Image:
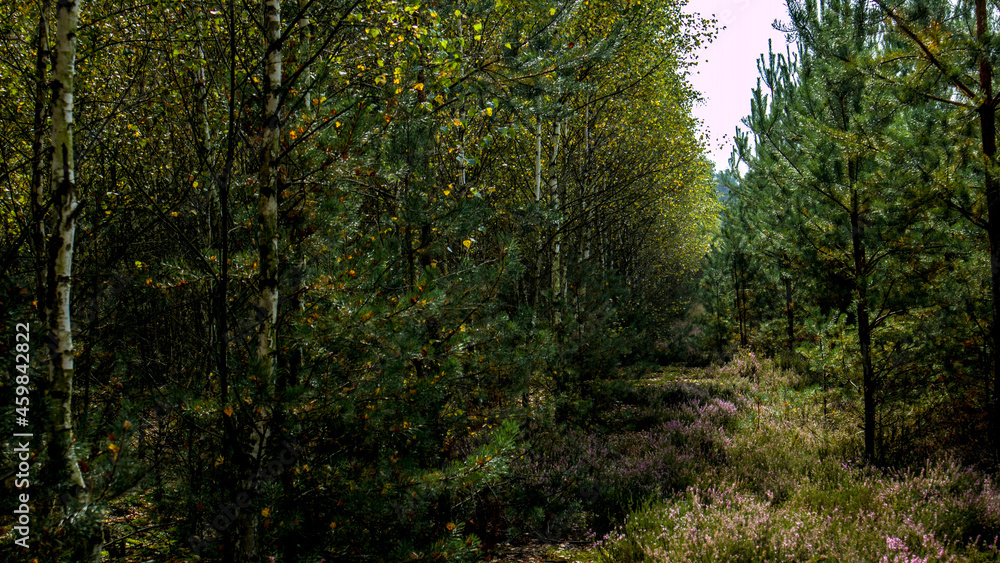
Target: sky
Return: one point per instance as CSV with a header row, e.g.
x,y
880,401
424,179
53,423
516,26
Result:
x,y
727,68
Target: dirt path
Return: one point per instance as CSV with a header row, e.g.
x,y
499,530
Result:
x,y
536,551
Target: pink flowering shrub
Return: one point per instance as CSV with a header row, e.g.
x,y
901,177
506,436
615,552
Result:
x,y
783,491
575,477
745,363
844,514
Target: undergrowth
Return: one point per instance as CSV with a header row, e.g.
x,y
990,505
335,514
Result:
x,y
783,485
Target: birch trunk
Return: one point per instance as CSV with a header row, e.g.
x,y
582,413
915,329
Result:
x,y
267,305
268,198
584,255
538,160
65,471
556,251
567,257
538,201
204,139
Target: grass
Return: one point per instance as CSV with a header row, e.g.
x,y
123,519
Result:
x,y
788,490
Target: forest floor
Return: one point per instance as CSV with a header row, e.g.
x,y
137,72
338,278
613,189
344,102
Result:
x,y
538,551
781,483
531,550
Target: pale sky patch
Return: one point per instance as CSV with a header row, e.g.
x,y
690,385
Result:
x,y
727,68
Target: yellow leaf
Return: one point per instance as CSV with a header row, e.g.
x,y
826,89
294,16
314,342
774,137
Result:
x,y
228,411
419,86
450,526
266,512
466,243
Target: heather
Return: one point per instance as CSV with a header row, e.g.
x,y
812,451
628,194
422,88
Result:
x,y
786,485
649,440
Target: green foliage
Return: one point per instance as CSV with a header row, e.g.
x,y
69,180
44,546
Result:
x,y
841,246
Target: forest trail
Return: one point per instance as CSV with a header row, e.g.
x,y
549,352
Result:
x,y
668,387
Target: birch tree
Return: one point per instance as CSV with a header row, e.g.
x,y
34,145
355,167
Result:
x,y
77,512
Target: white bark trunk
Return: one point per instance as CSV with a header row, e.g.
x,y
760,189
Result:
x,y
268,198
538,160
65,468
267,307
557,250
538,200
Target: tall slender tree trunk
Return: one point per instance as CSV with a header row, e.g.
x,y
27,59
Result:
x,y
740,300
84,522
538,201
287,379
38,153
230,435
305,50
864,325
583,257
789,311
557,246
203,138
267,205
567,252
247,547
987,124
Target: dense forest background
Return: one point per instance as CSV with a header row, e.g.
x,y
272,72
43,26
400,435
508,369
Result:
x,y
345,280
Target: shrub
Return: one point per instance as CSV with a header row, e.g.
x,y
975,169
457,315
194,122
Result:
x,y
586,477
837,513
